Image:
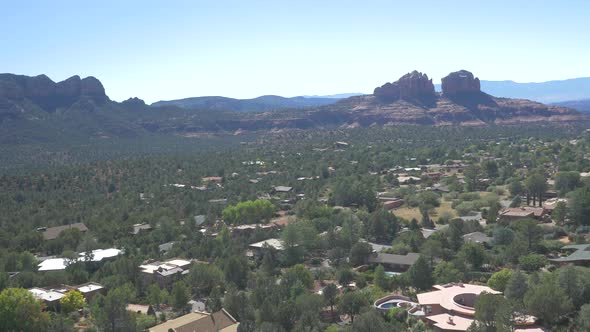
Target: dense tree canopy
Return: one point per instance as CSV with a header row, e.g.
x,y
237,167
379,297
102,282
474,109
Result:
x,y
19,311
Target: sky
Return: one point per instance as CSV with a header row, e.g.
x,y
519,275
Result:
x,y
162,50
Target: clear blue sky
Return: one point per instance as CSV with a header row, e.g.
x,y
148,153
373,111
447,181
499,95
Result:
x,y
173,49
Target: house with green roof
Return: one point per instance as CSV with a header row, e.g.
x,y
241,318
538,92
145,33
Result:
x,y
579,255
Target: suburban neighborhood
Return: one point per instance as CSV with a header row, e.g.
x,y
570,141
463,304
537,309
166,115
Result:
x,y
416,246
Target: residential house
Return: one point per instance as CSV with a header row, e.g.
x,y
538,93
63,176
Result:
x,y
550,204
519,213
165,273
391,202
215,179
48,296
435,176
220,321
477,237
164,248
258,249
579,254
550,194
406,179
248,229
426,232
52,295
451,308
90,289
200,220
282,189
437,187
52,233
282,220
392,262
137,228
97,256
142,309
455,167
218,200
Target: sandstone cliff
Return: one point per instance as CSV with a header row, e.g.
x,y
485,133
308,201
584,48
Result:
x,y
410,86
49,95
460,82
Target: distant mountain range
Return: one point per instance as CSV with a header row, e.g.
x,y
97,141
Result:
x,y
337,96
554,92
579,105
259,104
37,109
545,92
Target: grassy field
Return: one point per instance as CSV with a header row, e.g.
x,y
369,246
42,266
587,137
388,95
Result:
x,y
445,207
409,213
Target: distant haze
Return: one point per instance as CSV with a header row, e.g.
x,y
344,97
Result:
x,y
545,92
337,96
165,50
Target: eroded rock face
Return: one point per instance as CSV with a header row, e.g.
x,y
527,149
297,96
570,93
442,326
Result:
x,y
69,87
410,86
460,82
48,94
90,86
39,87
388,91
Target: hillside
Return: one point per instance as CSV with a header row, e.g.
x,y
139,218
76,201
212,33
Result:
x,y
259,104
36,109
412,100
579,105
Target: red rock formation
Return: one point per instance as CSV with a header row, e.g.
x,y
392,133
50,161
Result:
x,y
39,87
90,86
388,91
410,86
460,82
69,87
48,94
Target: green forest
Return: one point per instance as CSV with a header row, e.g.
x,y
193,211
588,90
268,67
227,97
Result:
x,y
507,208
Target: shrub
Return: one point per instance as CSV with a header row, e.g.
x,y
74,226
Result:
x,y
532,262
499,279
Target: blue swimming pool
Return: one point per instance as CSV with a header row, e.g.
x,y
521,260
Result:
x,y
391,274
388,305
395,303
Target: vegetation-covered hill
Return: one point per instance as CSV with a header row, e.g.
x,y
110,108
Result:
x,y
36,109
258,104
329,220
582,105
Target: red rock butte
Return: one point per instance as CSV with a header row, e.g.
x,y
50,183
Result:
x,y
458,82
409,86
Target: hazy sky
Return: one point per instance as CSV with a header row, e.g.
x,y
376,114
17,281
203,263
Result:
x,y
173,49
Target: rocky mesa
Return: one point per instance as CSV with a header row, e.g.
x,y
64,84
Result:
x,y
47,94
460,82
410,86
39,105
412,100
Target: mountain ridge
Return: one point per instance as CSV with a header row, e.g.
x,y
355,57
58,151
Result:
x,y
32,109
580,105
553,91
261,103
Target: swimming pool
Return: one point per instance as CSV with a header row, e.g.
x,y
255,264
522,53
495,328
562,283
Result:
x,y
388,305
395,303
392,274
